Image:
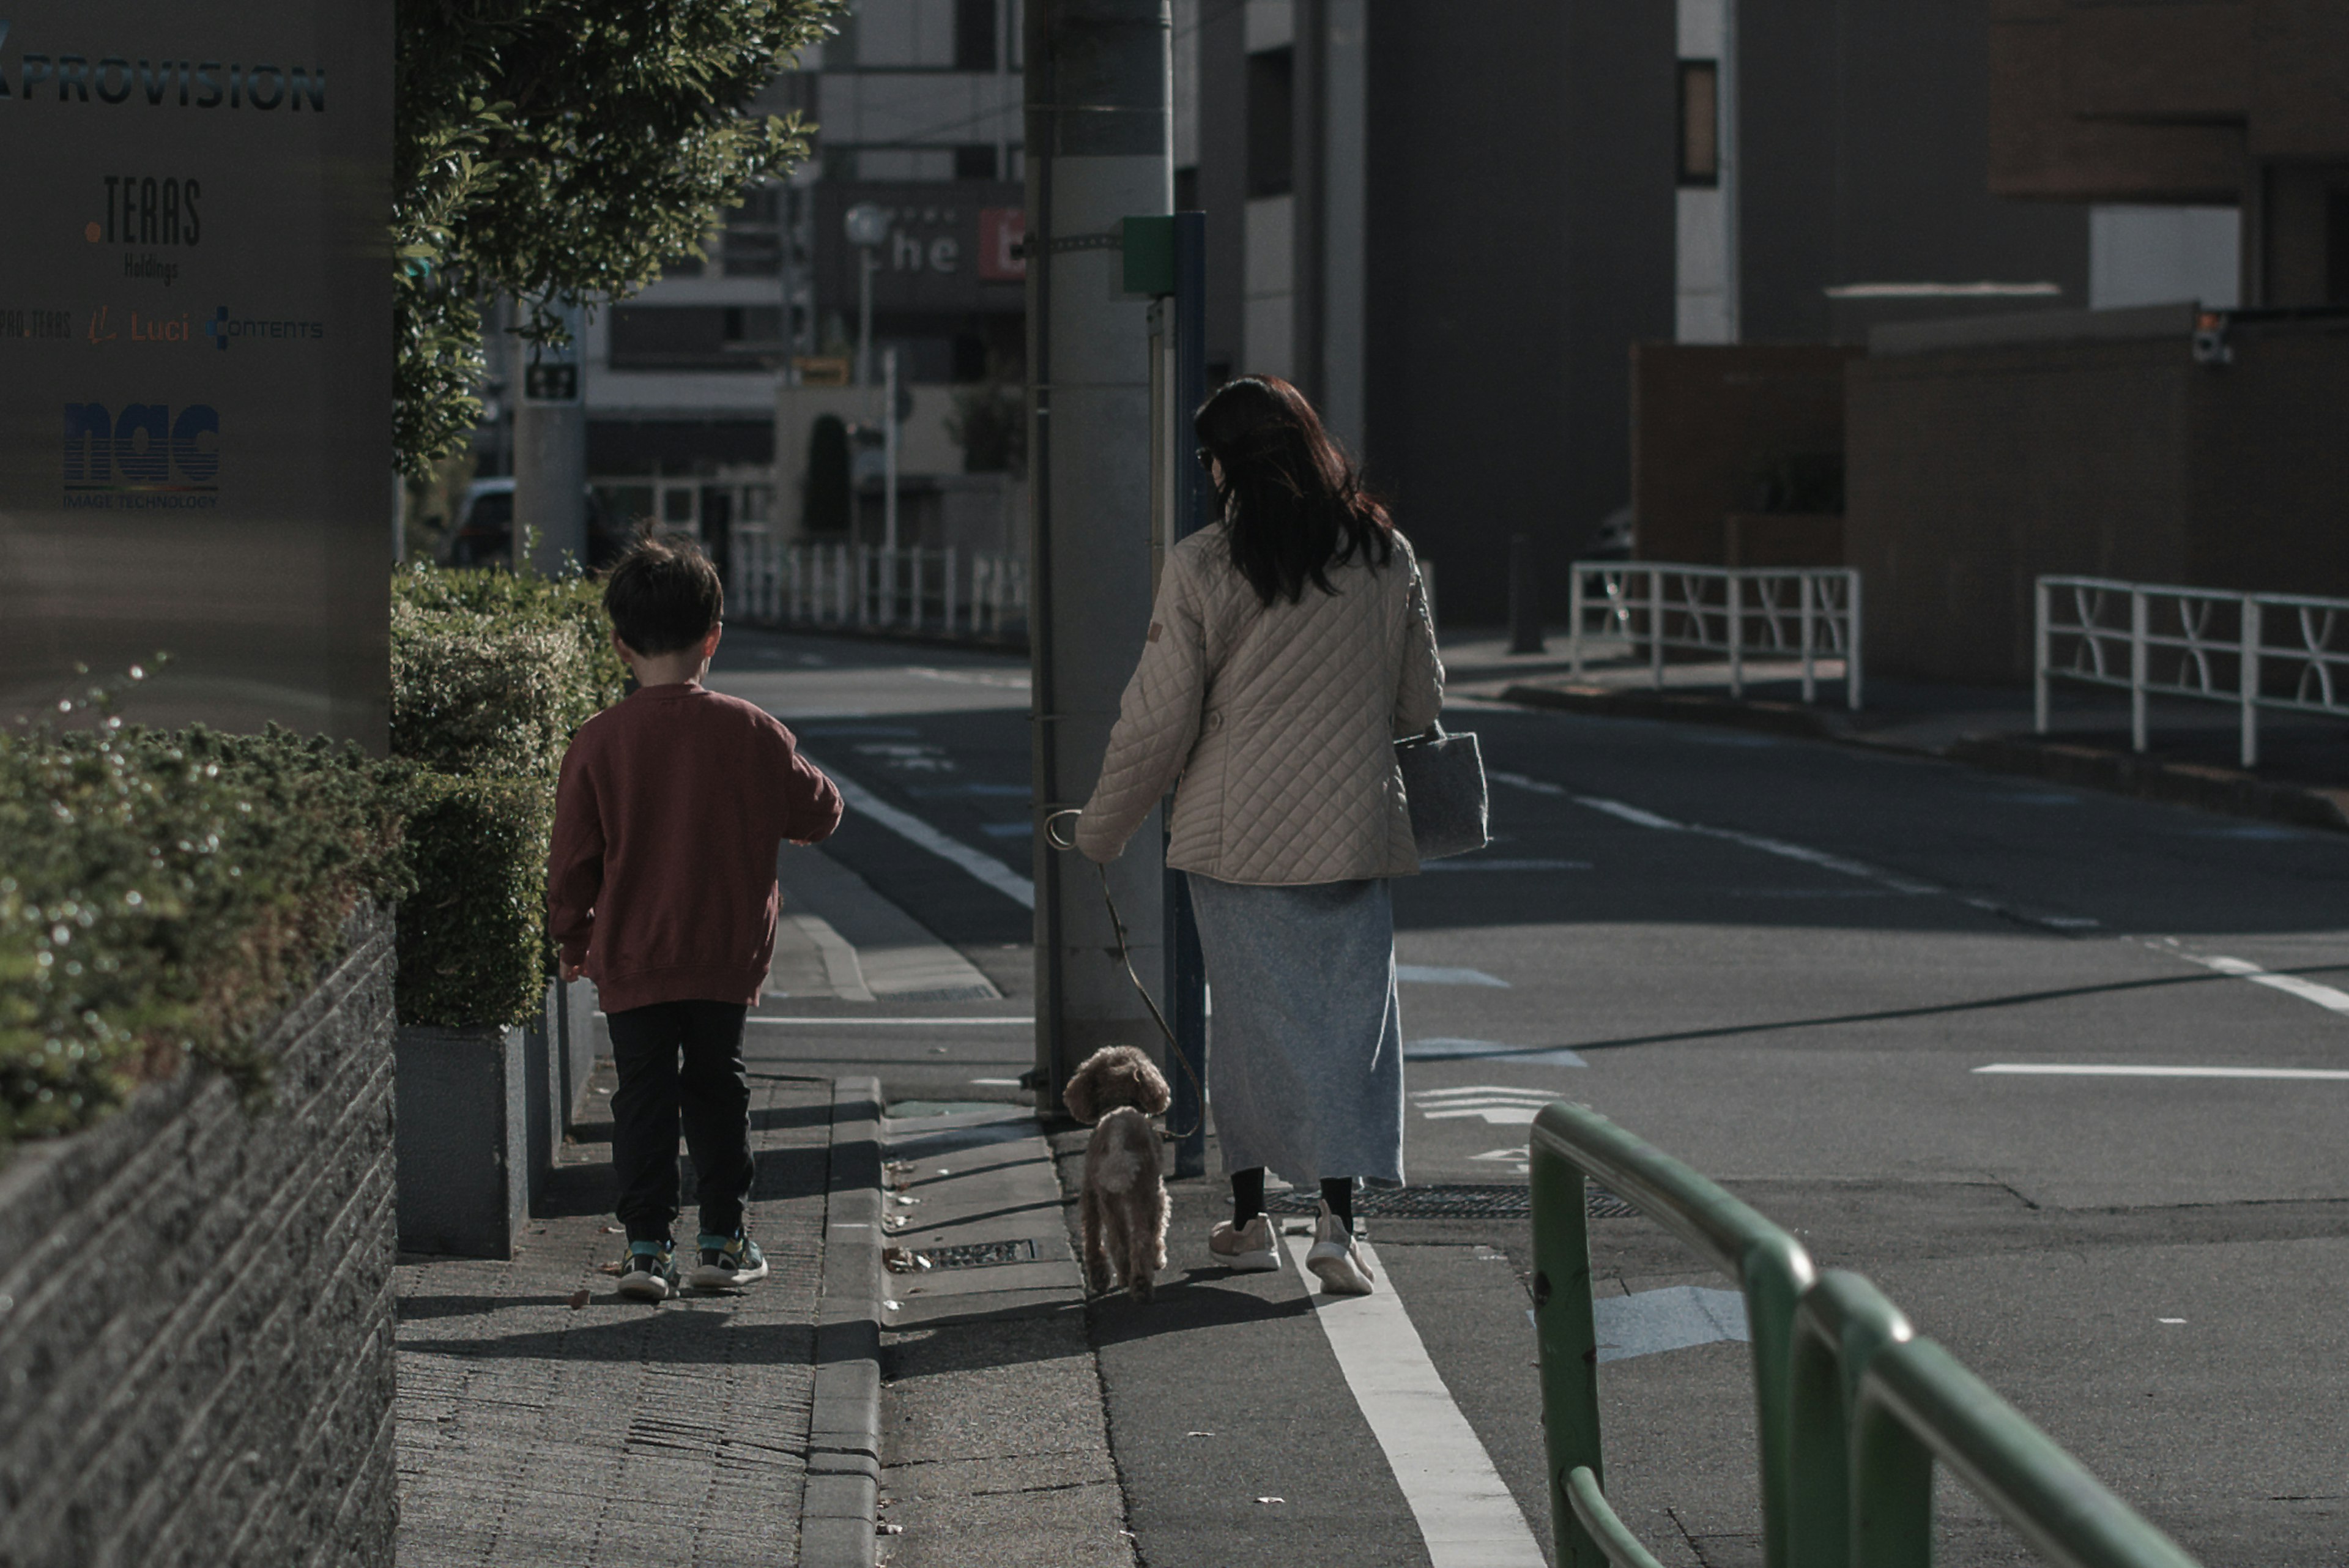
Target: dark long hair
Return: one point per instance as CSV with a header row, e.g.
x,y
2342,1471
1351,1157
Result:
x,y
1291,501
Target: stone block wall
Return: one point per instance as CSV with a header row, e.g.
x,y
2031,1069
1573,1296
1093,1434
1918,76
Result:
x,y
196,1314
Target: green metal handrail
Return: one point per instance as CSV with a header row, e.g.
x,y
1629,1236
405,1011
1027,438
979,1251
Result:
x,y
1853,1407
1767,1265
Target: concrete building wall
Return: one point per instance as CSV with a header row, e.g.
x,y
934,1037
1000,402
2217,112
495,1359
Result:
x,y
1518,237
1710,424
1973,468
1863,142
1465,397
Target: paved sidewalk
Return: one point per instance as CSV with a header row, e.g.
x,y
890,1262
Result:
x,y
545,1420
996,1447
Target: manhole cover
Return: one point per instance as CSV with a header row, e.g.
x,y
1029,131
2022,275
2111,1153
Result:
x,y
1455,1202
982,1254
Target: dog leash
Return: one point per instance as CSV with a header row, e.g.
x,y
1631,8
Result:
x,y
1125,956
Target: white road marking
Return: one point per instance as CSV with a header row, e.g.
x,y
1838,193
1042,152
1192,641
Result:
x,y
1447,1050
1624,812
1841,865
995,1083
1436,974
2324,996
1463,1509
1515,1157
2107,1070
890,1022
1673,1318
1500,1105
1007,679
908,826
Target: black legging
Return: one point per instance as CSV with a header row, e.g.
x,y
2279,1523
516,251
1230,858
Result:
x,y
1248,1196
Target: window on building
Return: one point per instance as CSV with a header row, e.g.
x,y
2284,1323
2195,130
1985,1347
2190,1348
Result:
x,y
1271,123
975,35
976,161
692,336
1699,122
751,245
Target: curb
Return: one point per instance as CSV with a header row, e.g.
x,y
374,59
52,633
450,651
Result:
x,y
2181,784
839,1512
2222,790
1779,718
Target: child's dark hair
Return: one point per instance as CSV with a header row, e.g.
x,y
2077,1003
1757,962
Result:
x,y
664,596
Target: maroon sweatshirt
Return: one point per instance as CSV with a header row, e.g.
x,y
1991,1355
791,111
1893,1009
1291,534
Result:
x,y
672,806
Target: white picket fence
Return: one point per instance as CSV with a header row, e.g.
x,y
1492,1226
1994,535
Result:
x,y
2280,652
1740,614
949,592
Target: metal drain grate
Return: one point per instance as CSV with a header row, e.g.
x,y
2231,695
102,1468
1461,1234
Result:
x,y
982,1254
1453,1203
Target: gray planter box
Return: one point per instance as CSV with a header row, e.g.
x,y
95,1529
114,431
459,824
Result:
x,y
225,1391
482,1116
465,1140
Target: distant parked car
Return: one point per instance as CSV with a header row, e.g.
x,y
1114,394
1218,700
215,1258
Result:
x,y
483,535
1614,538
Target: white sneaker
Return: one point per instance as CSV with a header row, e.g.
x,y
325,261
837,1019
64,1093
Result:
x,y
1336,1258
1248,1249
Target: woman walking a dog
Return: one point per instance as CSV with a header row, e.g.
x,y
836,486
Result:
x,y
1289,647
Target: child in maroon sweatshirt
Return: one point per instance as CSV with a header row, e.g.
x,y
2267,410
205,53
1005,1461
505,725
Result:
x,y
661,887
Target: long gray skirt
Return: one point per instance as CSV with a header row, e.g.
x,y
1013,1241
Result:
x,y
1305,1044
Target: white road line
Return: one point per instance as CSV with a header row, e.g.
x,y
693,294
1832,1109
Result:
x,y
2324,996
1438,974
2101,1070
912,828
1624,812
891,1023
1462,1508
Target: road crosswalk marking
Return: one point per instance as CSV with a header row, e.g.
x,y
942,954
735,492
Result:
x,y
1501,1106
1463,1509
2110,1070
2323,996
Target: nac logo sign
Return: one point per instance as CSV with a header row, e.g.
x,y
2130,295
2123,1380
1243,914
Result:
x,y
145,455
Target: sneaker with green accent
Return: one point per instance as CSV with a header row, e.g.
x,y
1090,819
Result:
x,y
727,1262
650,1274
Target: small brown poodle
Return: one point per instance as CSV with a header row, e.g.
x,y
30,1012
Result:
x,y
1123,1205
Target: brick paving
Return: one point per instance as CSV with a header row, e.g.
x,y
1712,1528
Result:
x,y
533,1431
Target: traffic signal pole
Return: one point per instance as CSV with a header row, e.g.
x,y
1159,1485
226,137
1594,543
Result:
x,y
1099,147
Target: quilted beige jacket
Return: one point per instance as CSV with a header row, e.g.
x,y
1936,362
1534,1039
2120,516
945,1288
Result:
x,y
1279,721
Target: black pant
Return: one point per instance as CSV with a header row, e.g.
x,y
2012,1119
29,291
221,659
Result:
x,y
712,1094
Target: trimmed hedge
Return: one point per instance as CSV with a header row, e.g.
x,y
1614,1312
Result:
x,y
162,896
492,674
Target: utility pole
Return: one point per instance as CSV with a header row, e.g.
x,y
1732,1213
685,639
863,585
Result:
x,y
550,454
1100,148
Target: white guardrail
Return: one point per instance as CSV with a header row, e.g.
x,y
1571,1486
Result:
x,y
974,593
2284,653
1810,613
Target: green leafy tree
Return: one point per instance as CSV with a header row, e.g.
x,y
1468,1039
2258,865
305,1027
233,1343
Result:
x,y
561,150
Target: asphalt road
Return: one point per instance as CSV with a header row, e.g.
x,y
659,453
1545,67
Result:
x,y
1787,963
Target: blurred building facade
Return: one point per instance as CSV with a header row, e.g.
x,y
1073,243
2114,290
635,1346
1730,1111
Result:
x,y
1450,225
702,390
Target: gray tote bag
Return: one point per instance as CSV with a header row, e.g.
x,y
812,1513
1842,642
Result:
x,y
1443,781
